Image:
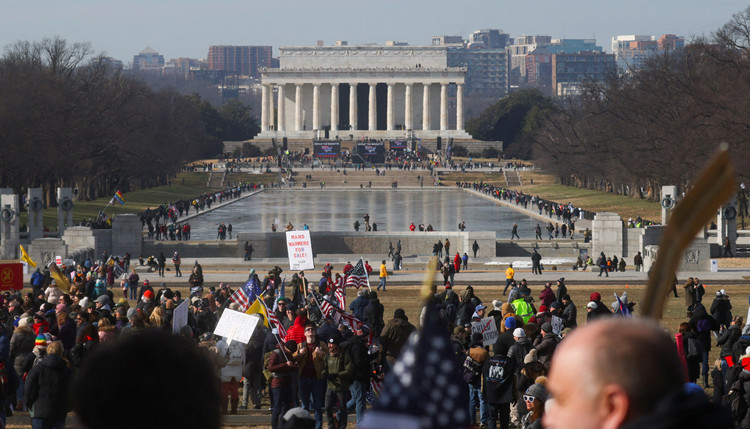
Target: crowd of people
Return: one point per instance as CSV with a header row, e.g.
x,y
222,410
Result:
x,y
162,223
313,351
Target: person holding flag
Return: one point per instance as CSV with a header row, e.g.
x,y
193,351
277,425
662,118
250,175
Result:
x,y
118,198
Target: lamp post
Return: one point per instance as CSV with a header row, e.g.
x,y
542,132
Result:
x,y
743,204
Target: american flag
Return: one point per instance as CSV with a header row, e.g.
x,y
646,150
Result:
x,y
274,320
326,308
372,395
357,276
340,295
246,294
420,381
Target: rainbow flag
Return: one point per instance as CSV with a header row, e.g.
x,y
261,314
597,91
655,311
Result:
x,y
118,197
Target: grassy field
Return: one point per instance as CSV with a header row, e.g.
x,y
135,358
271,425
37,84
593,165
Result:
x,y
184,186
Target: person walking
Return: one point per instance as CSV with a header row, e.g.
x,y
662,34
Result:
x,y
47,389
514,232
475,248
383,275
338,373
509,274
177,261
536,262
161,260
602,263
638,262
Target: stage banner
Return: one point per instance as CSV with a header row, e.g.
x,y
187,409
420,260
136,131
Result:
x,y
373,152
326,149
398,145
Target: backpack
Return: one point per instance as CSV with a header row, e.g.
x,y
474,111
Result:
x,y
734,400
472,370
703,325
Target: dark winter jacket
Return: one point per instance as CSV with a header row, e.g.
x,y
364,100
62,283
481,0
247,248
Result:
x,y
46,389
373,316
721,310
683,411
727,339
498,375
356,349
358,306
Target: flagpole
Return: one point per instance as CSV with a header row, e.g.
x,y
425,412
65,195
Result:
x,y
281,346
367,275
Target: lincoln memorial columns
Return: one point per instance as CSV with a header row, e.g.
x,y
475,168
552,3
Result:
x,y
389,108
426,106
316,106
372,123
443,107
264,108
298,108
408,114
334,106
353,105
281,104
459,107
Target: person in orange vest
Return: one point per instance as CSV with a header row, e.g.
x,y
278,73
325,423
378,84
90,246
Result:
x,y
509,273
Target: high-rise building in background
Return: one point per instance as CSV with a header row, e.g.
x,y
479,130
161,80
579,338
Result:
x,y
148,60
490,38
239,60
486,70
632,50
670,41
447,41
570,71
517,52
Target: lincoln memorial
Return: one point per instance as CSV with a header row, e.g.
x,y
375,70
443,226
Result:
x,y
351,92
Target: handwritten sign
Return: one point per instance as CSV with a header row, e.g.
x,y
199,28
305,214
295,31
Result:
x,y
180,317
299,247
487,328
236,326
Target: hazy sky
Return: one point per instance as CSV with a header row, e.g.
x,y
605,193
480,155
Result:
x,y
186,28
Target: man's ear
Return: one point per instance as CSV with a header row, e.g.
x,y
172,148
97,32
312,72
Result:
x,y
614,406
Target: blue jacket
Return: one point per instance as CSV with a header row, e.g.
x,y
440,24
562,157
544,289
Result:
x,y
358,306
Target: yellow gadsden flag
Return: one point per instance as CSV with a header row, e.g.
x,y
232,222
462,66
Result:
x,y
258,308
62,283
25,257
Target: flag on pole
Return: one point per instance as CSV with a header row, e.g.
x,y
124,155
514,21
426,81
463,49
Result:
x,y
25,257
119,198
274,320
257,308
358,276
62,283
624,310
340,297
420,380
246,294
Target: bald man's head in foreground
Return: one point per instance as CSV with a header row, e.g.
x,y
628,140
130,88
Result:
x,y
610,372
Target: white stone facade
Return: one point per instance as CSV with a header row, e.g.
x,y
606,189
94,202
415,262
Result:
x,y
362,91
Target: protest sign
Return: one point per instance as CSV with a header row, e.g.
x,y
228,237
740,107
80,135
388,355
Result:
x,y
180,317
299,247
487,328
236,326
557,324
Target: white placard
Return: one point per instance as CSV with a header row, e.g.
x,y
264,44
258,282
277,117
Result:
x,y
299,246
236,326
487,328
557,323
58,260
180,317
